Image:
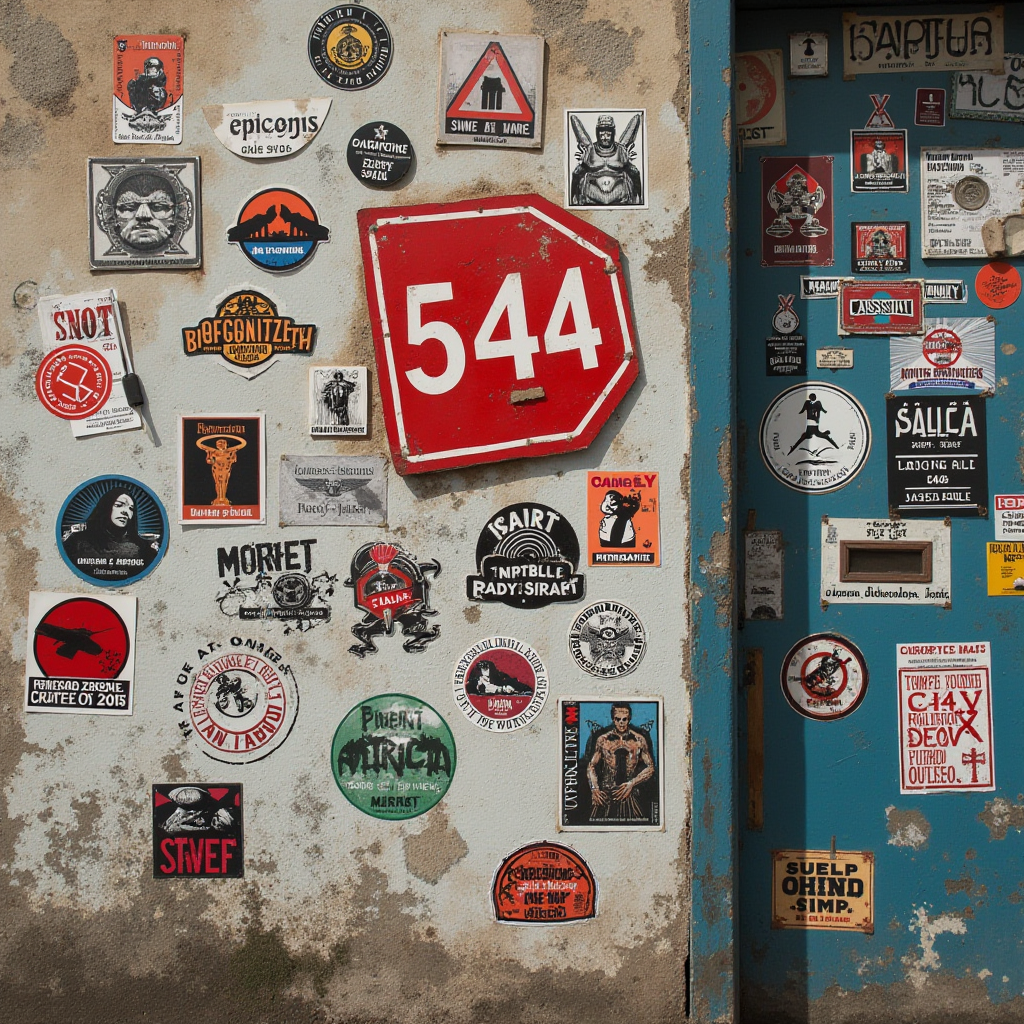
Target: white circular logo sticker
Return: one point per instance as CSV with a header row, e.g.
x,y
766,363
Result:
x,y
815,437
824,677
241,707
607,640
500,684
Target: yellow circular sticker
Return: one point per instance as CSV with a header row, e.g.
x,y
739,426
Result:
x,y
349,46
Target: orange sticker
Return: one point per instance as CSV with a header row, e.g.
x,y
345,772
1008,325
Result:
x,y
998,285
623,519
544,883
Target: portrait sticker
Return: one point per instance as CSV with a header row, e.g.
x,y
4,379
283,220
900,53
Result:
x,y
938,456
763,552
945,695
527,556
878,160
393,757
389,586
606,159
961,189
491,90
808,54
278,230
379,154
815,437
826,890
880,307
611,778
607,640
796,212
350,47
500,684
824,677
80,656
785,355
1005,568
623,519
112,531
880,247
69,383
238,703
953,352
930,108
333,490
819,287
998,284
1009,516
885,561
987,95
897,43
266,129
149,81
833,357
544,883
338,401
945,291
197,830
222,468
144,214
276,581
761,98
248,333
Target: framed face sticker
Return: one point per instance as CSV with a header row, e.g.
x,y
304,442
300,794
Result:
x,y
222,464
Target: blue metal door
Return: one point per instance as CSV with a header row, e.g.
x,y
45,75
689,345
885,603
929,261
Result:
x,y
948,885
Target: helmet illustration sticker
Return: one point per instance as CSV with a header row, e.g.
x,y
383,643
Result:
x,y
824,677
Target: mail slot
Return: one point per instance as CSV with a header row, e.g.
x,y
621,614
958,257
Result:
x,y
883,561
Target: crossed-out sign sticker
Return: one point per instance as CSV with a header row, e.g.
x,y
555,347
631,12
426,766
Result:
x,y
879,117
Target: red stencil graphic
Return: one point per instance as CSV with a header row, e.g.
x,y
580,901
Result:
x,y
73,382
84,638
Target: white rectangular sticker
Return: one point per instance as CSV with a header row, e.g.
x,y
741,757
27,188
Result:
x,y
945,291
1009,516
990,97
945,699
842,578
954,352
333,490
833,358
760,98
762,577
812,287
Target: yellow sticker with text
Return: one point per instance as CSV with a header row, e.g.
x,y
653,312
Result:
x,y
1005,569
822,889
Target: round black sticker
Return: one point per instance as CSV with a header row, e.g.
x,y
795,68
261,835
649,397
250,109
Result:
x,y
111,531
350,47
379,154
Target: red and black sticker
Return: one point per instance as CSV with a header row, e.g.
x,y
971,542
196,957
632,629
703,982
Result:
x,y
197,830
544,883
73,382
796,211
880,247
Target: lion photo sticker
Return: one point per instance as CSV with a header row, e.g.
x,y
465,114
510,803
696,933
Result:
x,y
149,74
623,519
222,469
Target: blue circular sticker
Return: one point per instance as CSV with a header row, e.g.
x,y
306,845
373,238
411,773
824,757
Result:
x,y
111,531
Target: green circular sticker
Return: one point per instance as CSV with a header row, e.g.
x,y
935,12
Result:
x,y
393,756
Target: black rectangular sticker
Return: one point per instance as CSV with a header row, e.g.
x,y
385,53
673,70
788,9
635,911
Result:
x,y
785,355
197,830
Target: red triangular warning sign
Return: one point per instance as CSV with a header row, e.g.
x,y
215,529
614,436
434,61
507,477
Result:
x,y
491,89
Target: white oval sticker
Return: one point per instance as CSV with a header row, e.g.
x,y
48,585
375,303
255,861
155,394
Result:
x,y
265,129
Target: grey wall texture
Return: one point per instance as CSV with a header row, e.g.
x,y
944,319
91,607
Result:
x,y
340,917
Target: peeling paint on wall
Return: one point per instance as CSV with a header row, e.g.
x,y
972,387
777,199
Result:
x,y
929,928
1000,816
907,828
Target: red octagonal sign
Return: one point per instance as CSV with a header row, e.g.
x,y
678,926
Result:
x,y
501,326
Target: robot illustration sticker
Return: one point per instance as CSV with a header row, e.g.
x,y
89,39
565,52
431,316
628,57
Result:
x,y
612,777
544,883
796,212
815,437
606,159
222,466
338,401
607,640
500,684
623,519
197,830
148,89
824,677
278,230
350,47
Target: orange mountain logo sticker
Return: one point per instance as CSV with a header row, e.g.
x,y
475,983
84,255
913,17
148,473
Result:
x,y
278,230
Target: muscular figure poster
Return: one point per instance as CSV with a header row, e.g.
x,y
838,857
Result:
x,y
606,159
611,772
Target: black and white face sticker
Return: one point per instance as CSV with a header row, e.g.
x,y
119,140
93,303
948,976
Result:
x,y
815,437
607,640
824,677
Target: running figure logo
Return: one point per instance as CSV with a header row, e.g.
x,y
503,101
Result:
x,y
813,410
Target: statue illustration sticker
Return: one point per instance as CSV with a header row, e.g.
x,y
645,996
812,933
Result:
x,y
379,154
824,677
248,333
278,230
239,703
500,684
393,757
149,74
606,159
815,437
112,531
338,401
265,129
527,557
544,883
350,47
607,640
222,468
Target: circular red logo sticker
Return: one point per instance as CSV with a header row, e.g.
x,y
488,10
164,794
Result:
x,y
998,285
500,684
942,346
73,382
83,637
824,677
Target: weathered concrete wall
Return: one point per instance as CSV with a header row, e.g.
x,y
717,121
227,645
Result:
x,y
340,917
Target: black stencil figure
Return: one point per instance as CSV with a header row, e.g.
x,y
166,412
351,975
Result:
x,y
814,409
616,530
822,680
491,91
148,89
808,47
255,227
335,395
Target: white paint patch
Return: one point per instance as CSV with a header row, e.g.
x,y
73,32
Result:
x,y
984,973
908,833
930,928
